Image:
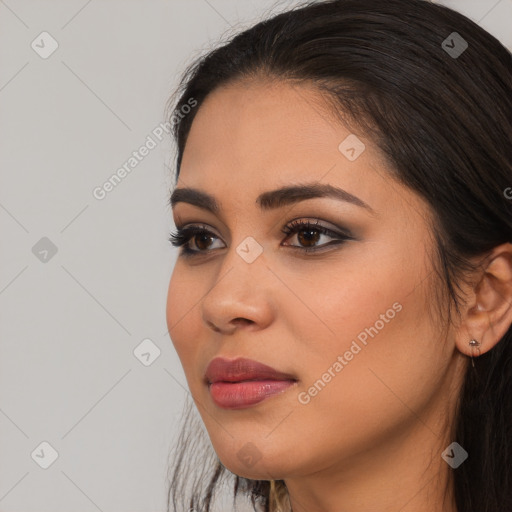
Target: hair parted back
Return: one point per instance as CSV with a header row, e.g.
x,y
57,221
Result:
x,y
445,125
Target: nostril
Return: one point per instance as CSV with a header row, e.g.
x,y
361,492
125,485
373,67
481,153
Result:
x,y
241,321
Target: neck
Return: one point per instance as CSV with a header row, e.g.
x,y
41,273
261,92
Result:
x,y
389,481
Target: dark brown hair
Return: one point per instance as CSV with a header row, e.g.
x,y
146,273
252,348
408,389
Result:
x,y
444,122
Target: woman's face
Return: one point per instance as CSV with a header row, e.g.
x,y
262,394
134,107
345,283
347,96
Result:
x,y
368,368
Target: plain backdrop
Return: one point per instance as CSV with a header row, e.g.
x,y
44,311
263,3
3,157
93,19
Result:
x,y
90,385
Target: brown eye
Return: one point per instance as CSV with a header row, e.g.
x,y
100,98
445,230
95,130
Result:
x,y
309,234
201,240
308,237
183,237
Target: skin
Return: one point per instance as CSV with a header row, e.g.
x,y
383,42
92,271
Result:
x,y
372,438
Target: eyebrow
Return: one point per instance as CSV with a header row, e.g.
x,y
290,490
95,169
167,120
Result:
x,y
272,199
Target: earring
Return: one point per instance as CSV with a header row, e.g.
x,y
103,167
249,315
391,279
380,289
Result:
x,y
473,343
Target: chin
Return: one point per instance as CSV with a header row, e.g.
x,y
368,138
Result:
x,y
248,461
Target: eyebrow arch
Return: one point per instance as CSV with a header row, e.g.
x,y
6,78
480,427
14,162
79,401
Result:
x,y
272,199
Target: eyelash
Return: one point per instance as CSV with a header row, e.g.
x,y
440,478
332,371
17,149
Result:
x,y
182,236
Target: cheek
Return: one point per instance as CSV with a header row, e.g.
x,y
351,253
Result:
x,y
351,299
374,318
397,371
390,352
181,310
375,290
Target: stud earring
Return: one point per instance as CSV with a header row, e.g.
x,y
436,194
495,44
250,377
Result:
x,y
472,344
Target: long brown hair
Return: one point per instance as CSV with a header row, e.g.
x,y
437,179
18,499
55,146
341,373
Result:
x,y
445,123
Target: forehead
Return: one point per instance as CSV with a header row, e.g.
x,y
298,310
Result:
x,y
251,137
260,124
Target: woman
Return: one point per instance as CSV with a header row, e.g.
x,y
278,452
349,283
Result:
x,y
342,299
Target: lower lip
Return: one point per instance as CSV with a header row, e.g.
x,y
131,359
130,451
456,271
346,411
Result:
x,y
238,395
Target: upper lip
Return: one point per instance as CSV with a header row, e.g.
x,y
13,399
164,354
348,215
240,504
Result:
x,y
241,369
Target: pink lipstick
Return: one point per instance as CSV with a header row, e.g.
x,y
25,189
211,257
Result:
x,y
241,383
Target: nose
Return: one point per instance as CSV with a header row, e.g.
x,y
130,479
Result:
x,y
240,296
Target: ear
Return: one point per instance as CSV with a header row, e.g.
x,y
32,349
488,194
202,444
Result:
x,y
488,313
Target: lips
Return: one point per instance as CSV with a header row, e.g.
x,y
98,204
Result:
x,y
241,369
242,383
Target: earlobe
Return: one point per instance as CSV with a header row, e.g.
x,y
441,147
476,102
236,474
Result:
x,y
490,316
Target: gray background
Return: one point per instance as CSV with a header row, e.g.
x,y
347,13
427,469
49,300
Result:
x,y
70,321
